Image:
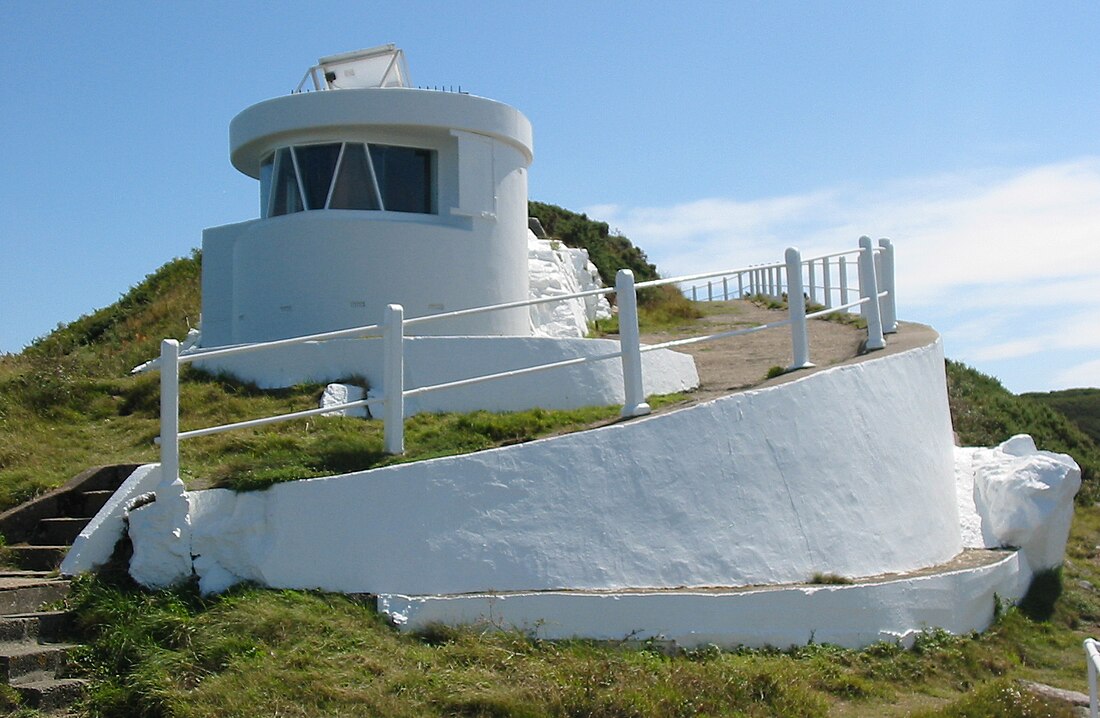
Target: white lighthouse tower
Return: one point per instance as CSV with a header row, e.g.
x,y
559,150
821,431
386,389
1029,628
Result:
x,y
372,192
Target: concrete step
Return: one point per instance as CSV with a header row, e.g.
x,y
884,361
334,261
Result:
x,y
26,595
32,661
88,503
39,626
43,558
50,694
61,531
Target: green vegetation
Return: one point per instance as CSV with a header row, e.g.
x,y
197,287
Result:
x,y
658,307
609,252
984,413
68,402
256,652
1082,406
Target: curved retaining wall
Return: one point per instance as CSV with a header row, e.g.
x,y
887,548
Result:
x,y
846,471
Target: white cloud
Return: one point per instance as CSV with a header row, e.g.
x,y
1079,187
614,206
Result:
x,y
952,231
1084,374
1008,260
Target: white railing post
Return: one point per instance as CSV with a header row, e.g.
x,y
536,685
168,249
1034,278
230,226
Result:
x,y
694,295
886,283
169,412
630,345
710,291
868,289
811,278
827,280
725,289
393,379
740,285
1092,656
843,280
796,309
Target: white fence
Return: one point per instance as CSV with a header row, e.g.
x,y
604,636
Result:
x,y
874,288
1092,658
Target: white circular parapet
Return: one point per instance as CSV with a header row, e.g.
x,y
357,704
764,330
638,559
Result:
x,y
331,116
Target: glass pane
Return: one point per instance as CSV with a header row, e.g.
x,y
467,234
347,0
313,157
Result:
x,y
404,176
316,164
287,197
354,188
267,166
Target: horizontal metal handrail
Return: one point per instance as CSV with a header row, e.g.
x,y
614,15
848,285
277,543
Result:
x,y
711,337
275,419
773,278
510,373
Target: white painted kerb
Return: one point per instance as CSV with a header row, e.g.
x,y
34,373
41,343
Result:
x,y
853,616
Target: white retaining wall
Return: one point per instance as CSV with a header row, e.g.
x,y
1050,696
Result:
x,y
853,616
847,471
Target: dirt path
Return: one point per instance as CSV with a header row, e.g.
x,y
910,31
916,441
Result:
x,y
733,363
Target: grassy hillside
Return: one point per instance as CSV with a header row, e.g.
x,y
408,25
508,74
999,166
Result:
x,y
1082,406
68,401
984,413
257,652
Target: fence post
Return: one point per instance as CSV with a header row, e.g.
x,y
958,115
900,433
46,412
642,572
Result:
x,y
630,345
796,309
725,289
694,295
1091,656
811,277
843,280
710,291
393,379
886,283
740,285
827,281
868,289
169,412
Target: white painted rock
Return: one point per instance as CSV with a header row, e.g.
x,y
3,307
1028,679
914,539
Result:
x,y
161,535
1023,497
557,270
336,394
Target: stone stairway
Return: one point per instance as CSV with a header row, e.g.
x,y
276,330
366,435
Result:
x,y
33,656
40,532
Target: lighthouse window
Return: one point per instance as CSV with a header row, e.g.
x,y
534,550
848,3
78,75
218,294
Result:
x,y
355,187
404,176
286,197
316,164
349,175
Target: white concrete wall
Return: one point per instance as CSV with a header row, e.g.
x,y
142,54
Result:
x,y
847,471
853,616
591,384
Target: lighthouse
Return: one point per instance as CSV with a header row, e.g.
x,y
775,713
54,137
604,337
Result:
x,y
372,192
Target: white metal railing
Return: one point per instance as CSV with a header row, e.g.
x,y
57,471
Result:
x,y
874,264
1092,658
825,281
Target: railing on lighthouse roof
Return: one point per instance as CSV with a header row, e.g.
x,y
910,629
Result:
x,y
381,66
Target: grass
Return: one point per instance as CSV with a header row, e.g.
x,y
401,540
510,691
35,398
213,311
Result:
x,y
255,652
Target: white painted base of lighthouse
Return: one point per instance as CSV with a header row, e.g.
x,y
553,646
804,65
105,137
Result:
x,y
699,525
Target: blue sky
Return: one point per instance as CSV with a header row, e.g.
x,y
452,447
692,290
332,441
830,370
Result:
x,y
712,134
